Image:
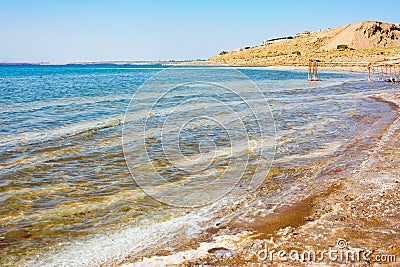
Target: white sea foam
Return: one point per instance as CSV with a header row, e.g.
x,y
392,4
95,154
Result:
x,y
20,107
62,132
131,241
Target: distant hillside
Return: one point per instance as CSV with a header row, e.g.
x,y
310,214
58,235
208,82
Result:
x,y
366,41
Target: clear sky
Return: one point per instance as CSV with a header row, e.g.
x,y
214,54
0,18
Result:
x,y
95,30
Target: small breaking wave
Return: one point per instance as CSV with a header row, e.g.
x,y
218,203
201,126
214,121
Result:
x,y
30,138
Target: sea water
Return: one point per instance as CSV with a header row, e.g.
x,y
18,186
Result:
x,y
79,176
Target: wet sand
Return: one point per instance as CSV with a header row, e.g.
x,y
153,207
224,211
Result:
x,y
362,211
356,217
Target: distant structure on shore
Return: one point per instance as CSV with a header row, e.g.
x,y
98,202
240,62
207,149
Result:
x,y
271,41
299,34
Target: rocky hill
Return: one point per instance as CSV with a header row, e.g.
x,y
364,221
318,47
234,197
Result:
x,y
366,41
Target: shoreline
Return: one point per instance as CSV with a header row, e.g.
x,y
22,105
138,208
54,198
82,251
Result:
x,y
347,210
333,210
222,235
278,67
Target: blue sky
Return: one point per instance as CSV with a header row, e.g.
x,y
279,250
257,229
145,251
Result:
x,y
161,30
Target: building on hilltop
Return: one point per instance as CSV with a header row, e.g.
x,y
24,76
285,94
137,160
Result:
x,y
302,33
271,41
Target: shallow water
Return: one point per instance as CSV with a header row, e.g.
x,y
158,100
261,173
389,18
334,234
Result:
x,y
64,178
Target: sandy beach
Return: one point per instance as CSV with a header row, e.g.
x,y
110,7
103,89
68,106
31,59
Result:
x,y
353,220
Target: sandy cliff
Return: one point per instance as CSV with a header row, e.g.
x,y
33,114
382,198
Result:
x,y
366,41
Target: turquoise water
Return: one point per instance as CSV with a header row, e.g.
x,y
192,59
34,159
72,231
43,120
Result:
x,y
64,177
